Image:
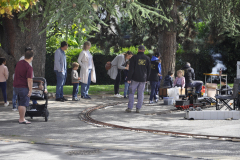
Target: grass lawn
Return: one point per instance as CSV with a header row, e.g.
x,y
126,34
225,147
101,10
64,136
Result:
x,y
94,89
230,84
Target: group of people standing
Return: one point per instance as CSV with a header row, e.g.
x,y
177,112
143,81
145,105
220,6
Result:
x,y
138,69
87,72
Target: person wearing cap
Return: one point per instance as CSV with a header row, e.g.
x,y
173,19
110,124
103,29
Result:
x,y
225,87
138,74
154,76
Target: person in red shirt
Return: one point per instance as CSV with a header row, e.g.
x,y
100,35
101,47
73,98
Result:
x,y
23,84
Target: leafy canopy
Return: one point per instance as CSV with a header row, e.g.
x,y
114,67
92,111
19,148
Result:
x,y
7,7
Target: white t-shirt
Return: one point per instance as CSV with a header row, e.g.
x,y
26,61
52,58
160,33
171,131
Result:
x,y
89,60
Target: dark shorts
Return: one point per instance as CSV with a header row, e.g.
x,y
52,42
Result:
x,y
23,99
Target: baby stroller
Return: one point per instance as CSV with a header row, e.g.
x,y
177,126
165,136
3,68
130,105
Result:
x,y
38,110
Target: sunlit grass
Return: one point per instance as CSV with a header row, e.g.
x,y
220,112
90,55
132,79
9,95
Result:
x,y
94,89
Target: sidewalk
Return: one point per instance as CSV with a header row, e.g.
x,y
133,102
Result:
x,y
66,129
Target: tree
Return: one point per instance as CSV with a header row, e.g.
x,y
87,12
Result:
x,y
24,23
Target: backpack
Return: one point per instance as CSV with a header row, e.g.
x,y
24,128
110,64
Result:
x,y
108,65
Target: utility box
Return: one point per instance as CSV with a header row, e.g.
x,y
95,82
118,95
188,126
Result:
x,y
238,69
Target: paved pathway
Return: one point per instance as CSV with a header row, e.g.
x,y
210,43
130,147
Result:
x,y
65,132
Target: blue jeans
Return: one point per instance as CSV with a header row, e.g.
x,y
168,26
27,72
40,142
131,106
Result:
x,y
126,90
61,79
3,86
158,86
75,90
154,85
197,84
14,100
85,87
140,86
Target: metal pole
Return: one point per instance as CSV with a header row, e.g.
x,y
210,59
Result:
x,y
220,85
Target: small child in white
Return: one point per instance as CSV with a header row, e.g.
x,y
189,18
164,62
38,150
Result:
x,y
75,81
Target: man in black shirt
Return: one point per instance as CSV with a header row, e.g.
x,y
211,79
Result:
x,y
190,78
138,74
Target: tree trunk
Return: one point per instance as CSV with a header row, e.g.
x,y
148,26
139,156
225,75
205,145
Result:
x,y
168,50
14,42
168,45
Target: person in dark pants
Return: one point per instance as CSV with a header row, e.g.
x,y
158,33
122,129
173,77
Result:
x,y
75,81
115,71
154,76
3,79
160,79
190,78
224,87
23,83
139,71
126,84
60,68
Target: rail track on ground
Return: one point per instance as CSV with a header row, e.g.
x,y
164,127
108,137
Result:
x,y
85,116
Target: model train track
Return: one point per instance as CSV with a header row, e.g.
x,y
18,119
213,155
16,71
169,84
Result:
x,y
85,116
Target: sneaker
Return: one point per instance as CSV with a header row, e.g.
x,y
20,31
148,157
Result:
x,y
88,97
157,96
75,99
6,104
65,99
137,110
156,100
59,99
117,95
125,97
150,102
120,95
128,110
14,109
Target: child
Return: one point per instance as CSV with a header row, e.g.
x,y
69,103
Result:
x,y
14,98
224,86
154,76
180,80
3,78
168,80
75,81
126,91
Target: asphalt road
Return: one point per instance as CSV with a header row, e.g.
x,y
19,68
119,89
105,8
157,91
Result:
x,y
66,132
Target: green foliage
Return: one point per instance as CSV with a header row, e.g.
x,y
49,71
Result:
x,y
203,30
85,13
